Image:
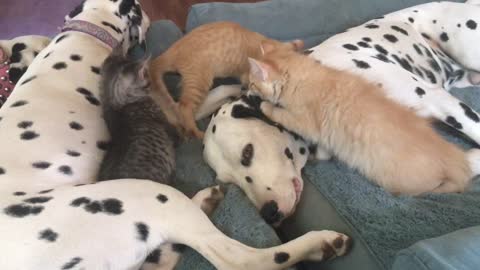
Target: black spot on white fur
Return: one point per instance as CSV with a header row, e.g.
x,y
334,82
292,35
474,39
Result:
x,y
62,37
2,171
48,235
469,112
247,155
19,103
372,26
73,153
45,191
59,65
65,169
453,122
248,179
88,96
75,57
380,49
95,70
154,257
302,150
444,37
41,165
103,145
471,24
420,92
400,30
38,200
288,153
25,124
350,47
281,257
72,263
162,198
361,64
391,38
19,193
29,135
75,125
107,206
22,210
18,47
142,230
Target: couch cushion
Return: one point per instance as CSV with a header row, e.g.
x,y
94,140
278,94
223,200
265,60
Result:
x,y
310,20
458,250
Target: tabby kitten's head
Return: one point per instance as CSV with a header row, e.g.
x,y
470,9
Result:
x,y
126,79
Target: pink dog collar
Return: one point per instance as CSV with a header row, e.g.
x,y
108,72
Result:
x,y
6,85
92,30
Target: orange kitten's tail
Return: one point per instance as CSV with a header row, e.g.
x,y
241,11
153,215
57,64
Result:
x,y
160,94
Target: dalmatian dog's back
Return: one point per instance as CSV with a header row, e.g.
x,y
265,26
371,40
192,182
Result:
x,y
67,71
415,55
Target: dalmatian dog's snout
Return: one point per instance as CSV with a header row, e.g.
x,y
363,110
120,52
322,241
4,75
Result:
x,y
267,168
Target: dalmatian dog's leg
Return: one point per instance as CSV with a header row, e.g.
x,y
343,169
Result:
x,y
166,256
144,216
442,105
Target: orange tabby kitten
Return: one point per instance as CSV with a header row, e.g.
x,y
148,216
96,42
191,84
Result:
x,y
352,119
212,50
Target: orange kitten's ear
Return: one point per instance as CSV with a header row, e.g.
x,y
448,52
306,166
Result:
x,y
266,47
258,70
298,44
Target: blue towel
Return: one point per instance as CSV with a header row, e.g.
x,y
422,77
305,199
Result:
x,y
389,224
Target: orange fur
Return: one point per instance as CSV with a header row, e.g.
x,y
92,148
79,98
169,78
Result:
x,y
218,49
354,120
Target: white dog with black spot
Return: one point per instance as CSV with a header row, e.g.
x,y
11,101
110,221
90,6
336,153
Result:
x,y
53,139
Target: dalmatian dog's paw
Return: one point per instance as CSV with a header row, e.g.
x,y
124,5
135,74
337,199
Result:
x,y
208,199
333,244
21,52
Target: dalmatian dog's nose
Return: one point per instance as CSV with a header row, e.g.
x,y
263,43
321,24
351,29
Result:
x,y
270,213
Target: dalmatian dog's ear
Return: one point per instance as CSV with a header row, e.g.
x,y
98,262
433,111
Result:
x,y
77,10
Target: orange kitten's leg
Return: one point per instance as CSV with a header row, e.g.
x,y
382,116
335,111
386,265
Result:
x,y
194,93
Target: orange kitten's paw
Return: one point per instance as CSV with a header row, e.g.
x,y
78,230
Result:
x,y
267,108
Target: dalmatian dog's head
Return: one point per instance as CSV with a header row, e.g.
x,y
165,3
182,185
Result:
x,y
261,157
125,17
20,52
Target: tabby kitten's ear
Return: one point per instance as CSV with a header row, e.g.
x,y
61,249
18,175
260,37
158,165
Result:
x,y
259,71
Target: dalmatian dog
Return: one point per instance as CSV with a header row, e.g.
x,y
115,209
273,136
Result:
x,y
53,139
15,57
416,55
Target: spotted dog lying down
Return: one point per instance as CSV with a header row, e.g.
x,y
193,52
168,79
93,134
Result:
x,y
54,120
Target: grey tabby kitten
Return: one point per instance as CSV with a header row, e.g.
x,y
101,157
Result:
x,y
143,142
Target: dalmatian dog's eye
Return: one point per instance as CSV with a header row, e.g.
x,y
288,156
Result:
x,y
247,155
